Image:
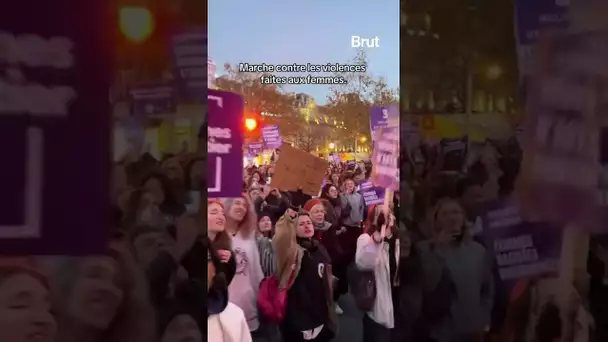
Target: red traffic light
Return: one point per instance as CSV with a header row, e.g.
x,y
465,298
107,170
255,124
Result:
x,y
136,23
251,124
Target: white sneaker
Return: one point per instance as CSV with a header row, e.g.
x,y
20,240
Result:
x,y
338,309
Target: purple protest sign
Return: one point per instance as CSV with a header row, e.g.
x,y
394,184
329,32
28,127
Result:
x,y
385,158
271,137
522,249
189,52
381,117
150,100
225,144
54,127
371,194
255,148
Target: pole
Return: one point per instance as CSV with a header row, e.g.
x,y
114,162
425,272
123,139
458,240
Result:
x,y
355,147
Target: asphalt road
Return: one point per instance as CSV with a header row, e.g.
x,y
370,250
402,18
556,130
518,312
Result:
x,y
350,322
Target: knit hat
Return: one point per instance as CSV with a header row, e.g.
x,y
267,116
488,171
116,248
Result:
x,y
311,203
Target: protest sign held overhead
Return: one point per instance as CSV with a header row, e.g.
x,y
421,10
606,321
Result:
x,y
383,117
385,158
297,169
224,144
271,137
54,127
522,249
560,167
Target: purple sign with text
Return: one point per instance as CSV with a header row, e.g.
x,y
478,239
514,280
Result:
x,y
149,100
371,194
271,137
255,148
385,158
381,117
189,52
224,144
522,249
54,128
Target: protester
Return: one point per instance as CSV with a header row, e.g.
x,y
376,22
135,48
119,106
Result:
x,y
241,224
225,321
374,253
304,267
25,310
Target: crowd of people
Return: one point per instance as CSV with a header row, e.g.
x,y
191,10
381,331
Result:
x,y
280,262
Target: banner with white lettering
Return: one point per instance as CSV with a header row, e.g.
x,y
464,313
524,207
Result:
x,y
271,137
385,158
372,194
224,144
560,168
54,127
153,100
189,52
522,249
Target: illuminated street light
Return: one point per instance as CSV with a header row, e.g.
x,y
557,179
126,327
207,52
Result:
x,y
136,23
494,72
332,146
363,139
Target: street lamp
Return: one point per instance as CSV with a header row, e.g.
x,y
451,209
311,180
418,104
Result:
x,y
332,146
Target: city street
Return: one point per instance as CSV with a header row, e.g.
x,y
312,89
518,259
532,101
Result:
x,y
350,322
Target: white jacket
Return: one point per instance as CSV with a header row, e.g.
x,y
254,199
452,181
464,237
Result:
x,y
375,256
228,326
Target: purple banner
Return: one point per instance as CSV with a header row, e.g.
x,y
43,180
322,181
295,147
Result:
x,y
522,249
372,194
381,116
54,127
385,158
189,52
255,148
271,137
224,144
150,100
560,166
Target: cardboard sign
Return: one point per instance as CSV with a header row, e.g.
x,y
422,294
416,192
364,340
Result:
x,y
297,169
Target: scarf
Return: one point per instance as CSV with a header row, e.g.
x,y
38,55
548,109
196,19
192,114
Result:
x,y
309,244
322,227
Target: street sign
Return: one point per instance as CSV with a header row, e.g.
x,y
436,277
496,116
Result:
x,y
54,127
224,144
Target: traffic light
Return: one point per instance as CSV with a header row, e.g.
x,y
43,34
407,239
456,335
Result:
x,y
251,124
137,23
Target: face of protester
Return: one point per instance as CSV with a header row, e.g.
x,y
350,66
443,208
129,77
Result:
x,y
25,310
332,192
317,213
473,196
450,218
173,169
335,179
196,174
148,246
254,194
265,225
182,328
255,177
216,220
95,296
238,210
349,186
155,187
305,228
358,178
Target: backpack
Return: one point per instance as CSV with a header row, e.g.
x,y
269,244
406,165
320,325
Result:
x,y
272,299
363,287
